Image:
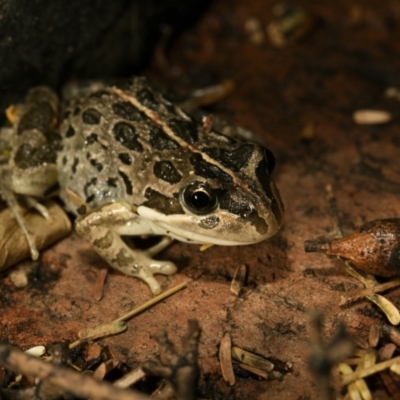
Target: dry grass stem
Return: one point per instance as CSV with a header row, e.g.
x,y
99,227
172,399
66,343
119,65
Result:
x,y
370,290
369,371
130,379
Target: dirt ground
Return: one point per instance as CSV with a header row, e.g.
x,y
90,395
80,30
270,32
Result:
x,y
299,99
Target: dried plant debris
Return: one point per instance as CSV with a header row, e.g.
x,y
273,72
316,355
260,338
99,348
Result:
x,y
373,362
369,291
233,358
373,337
292,24
391,333
225,360
255,31
181,371
368,361
325,356
99,331
373,247
98,286
56,381
119,325
392,93
42,232
260,366
239,279
371,117
130,378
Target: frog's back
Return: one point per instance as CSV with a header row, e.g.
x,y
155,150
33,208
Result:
x,y
111,140
126,143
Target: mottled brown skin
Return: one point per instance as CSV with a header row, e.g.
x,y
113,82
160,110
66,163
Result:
x,y
373,247
128,162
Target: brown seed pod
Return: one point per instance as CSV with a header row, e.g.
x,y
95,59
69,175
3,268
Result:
x,y
373,247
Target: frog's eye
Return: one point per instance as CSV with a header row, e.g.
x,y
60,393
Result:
x,y
199,198
269,160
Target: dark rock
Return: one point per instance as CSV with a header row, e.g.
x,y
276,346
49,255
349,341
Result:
x,y
50,42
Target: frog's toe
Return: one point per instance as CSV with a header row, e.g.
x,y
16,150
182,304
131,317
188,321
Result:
x,y
163,267
153,285
145,274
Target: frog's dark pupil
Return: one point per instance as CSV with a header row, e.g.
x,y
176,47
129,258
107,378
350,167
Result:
x,y
200,200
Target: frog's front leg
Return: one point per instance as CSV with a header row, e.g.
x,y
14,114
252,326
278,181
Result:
x,y
103,228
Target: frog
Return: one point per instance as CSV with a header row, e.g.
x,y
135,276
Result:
x,y
126,161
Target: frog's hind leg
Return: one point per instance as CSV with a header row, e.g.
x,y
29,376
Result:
x,y
6,192
29,149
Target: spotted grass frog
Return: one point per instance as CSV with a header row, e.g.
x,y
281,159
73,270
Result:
x,y
126,161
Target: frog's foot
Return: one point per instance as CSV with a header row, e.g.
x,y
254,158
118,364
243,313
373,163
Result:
x,y
102,228
142,267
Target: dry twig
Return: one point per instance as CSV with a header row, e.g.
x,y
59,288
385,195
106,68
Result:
x,y
67,380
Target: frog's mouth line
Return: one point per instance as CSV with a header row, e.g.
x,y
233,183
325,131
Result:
x,y
164,225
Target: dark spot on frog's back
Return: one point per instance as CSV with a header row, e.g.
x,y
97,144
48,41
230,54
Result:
x,y
87,186
159,140
112,182
147,99
126,110
98,165
75,164
161,203
91,117
167,172
208,170
70,132
66,114
126,135
92,138
127,182
125,158
235,160
186,130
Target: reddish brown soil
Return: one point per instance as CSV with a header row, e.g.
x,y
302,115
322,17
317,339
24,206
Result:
x,y
345,63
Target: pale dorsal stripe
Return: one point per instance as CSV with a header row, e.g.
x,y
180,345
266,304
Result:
x,y
156,118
